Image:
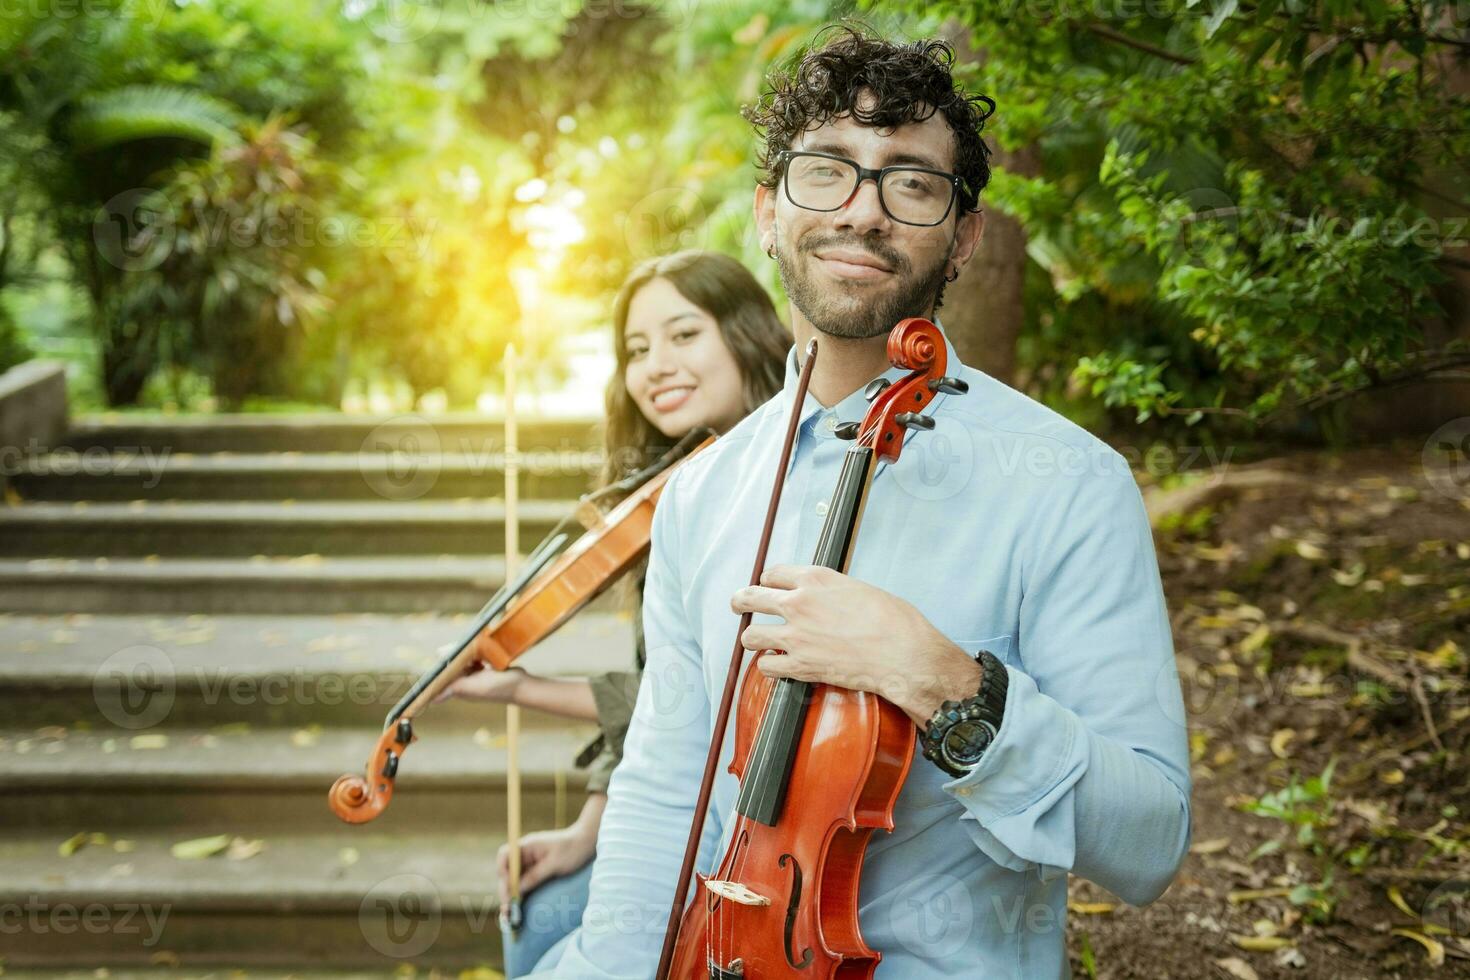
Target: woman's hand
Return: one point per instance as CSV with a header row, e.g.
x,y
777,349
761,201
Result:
x,y
486,684
546,854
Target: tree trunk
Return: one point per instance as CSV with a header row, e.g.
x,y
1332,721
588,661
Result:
x,y
984,310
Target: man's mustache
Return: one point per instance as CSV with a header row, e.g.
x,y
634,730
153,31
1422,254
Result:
x,y
892,260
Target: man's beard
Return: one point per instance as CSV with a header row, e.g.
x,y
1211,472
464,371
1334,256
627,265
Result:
x,y
852,313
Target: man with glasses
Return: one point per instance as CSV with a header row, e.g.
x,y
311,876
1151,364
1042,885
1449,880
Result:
x,y
1003,589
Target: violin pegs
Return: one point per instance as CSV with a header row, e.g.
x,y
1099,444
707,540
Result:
x,y
950,386
847,430
404,735
875,388
914,420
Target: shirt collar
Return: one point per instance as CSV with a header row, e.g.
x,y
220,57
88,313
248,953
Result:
x,y
855,405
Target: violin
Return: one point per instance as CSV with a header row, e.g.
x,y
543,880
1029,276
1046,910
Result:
x,y
552,586
820,767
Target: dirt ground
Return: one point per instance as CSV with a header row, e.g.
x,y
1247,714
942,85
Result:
x,y
1321,610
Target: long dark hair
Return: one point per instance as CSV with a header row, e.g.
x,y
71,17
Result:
x,y
755,336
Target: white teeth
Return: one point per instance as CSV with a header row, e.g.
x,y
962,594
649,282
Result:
x,y
672,394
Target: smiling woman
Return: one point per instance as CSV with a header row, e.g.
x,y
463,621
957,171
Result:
x,y
697,343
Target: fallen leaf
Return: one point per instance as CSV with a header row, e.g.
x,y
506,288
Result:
x,y
1397,898
1261,944
1433,947
1238,968
1213,846
200,847
1281,741
241,849
72,844
1310,551
1091,908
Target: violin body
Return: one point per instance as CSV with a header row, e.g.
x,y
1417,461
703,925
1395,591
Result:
x,y
854,755
820,767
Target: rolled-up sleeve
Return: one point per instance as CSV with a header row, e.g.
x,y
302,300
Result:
x,y
1089,772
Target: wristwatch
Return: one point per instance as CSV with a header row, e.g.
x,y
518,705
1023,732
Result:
x,y
957,736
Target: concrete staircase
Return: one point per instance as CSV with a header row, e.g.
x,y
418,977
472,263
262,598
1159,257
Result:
x,y
202,624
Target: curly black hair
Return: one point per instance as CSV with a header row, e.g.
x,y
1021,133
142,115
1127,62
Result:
x,y
911,80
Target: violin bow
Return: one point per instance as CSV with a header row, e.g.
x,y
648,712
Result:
x,y
512,710
732,676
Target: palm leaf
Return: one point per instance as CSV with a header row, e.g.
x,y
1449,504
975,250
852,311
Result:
x,y
136,112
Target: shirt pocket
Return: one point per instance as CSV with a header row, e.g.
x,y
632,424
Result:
x,y
1003,645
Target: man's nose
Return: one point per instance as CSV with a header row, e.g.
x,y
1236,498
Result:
x,y
863,210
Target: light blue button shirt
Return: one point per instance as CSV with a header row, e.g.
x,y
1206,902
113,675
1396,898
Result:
x,y
1011,529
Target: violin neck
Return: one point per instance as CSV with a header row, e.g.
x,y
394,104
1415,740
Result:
x,y
767,778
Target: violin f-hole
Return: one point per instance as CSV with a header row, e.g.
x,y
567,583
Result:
x,y
793,903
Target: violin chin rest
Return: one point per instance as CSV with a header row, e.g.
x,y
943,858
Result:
x,y
735,892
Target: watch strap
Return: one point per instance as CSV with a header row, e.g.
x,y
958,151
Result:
x,y
987,705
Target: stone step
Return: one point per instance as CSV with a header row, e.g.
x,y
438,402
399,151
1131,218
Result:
x,y
101,475
308,584
82,671
252,782
230,529
461,432
363,900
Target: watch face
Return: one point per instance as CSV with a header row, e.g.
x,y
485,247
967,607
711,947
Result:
x,y
967,741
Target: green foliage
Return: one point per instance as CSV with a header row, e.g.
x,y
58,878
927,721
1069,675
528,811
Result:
x,y
1309,808
137,112
231,294
1242,209
13,348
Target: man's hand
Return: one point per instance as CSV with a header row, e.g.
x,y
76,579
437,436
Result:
x,y
850,634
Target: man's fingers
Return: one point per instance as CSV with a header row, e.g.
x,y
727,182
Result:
x,y
757,598
775,666
764,636
782,576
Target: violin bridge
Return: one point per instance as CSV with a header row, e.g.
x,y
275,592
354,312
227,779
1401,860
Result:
x,y
735,892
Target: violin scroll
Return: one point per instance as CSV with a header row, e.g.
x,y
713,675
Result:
x,y
916,345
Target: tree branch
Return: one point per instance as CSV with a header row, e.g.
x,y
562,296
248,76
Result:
x,y
1108,33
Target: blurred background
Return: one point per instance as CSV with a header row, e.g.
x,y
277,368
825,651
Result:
x,y
260,262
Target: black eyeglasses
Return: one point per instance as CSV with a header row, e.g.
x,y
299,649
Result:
x,y
827,182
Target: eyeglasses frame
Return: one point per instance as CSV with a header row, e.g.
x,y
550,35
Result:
x,y
956,183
